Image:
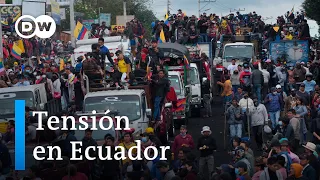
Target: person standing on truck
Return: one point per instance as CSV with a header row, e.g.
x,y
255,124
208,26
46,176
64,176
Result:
x,y
105,51
161,85
266,78
97,55
257,81
155,53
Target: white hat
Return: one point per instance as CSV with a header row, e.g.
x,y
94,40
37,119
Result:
x,y
278,86
312,147
205,129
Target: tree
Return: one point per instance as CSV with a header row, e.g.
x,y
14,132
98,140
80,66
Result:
x,y
138,8
311,7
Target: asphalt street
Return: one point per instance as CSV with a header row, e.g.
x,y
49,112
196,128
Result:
x,y
216,124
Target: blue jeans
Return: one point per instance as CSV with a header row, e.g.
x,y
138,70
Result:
x,y
236,130
274,117
156,112
204,37
257,91
227,99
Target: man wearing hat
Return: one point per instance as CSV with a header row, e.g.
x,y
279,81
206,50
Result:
x,y
310,149
206,146
308,171
163,167
302,93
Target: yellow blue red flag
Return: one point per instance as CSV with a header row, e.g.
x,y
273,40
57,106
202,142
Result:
x,y
79,31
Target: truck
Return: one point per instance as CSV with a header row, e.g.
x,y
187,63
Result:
x,y
174,52
136,102
291,51
114,44
35,97
196,100
240,51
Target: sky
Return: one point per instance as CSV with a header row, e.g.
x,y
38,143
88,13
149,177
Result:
x,y
269,9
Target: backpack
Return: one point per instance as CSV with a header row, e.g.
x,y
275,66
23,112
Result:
x,y
288,160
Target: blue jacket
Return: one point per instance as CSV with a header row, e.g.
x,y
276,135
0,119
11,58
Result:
x,y
275,104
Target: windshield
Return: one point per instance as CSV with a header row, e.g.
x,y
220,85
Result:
x,y
97,134
242,52
7,101
194,76
126,105
174,82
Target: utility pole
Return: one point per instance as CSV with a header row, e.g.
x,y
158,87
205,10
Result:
x,y
125,12
1,45
203,1
168,7
72,25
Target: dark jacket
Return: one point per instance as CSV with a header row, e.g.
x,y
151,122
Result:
x,y
208,141
155,56
110,167
309,173
161,86
257,77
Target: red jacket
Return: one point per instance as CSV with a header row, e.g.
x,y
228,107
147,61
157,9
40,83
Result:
x,y
172,97
179,141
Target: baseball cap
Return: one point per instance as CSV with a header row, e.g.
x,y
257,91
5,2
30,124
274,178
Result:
x,y
118,52
278,86
302,85
303,156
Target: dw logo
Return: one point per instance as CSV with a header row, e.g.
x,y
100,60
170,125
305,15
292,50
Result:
x,y
45,26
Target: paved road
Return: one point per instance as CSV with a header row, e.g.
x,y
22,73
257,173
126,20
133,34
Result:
x,y
216,124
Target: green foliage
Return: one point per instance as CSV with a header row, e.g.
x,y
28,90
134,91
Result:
x,y
8,1
138,8
311,7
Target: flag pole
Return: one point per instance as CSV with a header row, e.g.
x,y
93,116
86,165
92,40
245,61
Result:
x,y
1,44
72,25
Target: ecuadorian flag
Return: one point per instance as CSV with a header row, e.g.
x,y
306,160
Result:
x,y
162,38
186,61
79,31
2,69
16,51
167,20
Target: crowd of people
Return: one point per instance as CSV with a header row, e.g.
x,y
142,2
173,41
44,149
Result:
x,y
289,97
191,30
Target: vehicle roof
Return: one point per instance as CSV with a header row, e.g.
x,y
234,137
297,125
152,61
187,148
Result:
x,y
193,65
239,43
176,73
19,88
175,48
114,46
115,92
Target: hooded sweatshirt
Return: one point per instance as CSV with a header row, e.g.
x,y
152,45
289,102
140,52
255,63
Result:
x,y
259,115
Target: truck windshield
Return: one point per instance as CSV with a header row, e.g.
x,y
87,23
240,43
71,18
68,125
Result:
x,y
7,101
126,105
174,82
96,135
194,77
241,52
